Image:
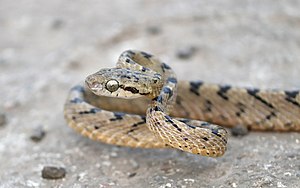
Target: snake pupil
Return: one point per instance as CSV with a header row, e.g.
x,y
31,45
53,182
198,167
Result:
x,y
112,85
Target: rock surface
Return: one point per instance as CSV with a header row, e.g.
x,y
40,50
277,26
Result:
x,y
48,46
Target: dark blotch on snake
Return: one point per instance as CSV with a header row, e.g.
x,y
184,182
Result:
x,y
205,124
272,114
128,60
76,100
291,96
184,120
130,52
165,67
208,105
253,92
156,108
91,111
292,101
144,69
145,93
241,109
169,120
131,89
167,90
222,92
195,86
191,126
140,123
288,124
146,55
159,99
118,116
172,80
216,132
156,75
125,76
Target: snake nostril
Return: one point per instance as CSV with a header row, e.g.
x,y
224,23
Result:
x,y
88,83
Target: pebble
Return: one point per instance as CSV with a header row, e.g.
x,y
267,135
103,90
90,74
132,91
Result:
x,y
153,30
186,52
131,175
52,172
2,119
38,134
239,130
57,24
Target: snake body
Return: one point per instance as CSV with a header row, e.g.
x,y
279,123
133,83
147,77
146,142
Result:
x,y
138,74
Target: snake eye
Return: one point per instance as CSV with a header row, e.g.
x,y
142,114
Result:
x,y
112,85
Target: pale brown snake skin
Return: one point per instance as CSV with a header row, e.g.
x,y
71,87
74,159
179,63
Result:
x,y
138,74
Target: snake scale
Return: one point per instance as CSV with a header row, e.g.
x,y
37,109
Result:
x,y
141,84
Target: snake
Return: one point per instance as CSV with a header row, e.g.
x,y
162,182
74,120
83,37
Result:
x,y
141,104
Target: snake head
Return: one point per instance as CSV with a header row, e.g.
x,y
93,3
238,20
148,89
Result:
x,y
124,83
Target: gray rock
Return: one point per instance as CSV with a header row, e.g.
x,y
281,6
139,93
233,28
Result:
x,y
38,134
186,52
239,130
52,172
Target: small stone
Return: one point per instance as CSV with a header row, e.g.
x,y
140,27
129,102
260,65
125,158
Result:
x,y
239,130
153,30
186,52
38,134
131,175
57,24
2,119
52,172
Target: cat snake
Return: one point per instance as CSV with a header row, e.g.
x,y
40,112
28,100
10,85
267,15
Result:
x,y
140,103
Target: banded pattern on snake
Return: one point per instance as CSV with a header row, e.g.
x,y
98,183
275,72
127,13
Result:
x,y
139,74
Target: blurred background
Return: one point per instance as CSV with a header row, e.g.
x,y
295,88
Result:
x,y
46,47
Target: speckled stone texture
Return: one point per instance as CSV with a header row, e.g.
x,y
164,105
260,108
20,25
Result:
x,y
48,46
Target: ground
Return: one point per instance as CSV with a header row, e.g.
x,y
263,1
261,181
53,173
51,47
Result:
x,y
46,47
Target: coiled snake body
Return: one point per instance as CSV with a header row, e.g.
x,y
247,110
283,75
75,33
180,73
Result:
x,y
139,74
